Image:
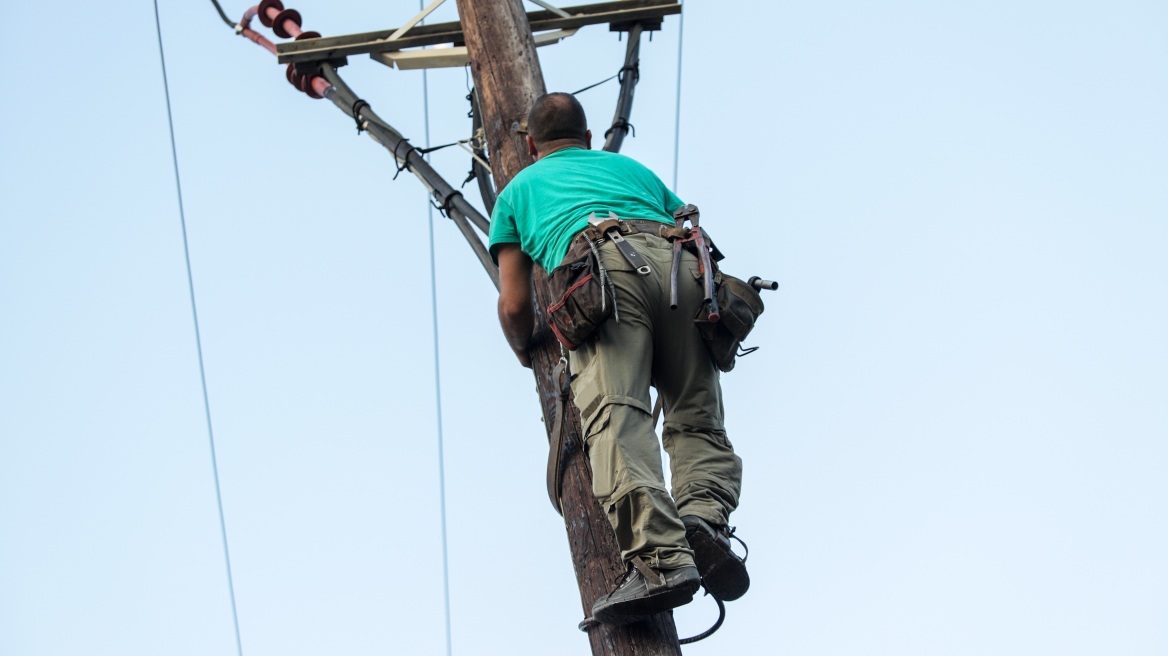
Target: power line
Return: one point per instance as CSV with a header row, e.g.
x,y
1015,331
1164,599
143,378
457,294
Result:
x,y
437,377
198,337
677,114
222,14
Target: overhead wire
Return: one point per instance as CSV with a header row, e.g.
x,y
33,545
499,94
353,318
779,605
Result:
x,y
437,375
384,134
223,14
677,111
595,84
198,336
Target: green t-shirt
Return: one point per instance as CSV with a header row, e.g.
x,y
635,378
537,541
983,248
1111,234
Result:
x,y
543,207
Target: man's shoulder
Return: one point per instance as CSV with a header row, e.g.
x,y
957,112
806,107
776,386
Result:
x,y
575,160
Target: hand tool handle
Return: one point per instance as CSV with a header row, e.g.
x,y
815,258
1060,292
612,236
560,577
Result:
x,y
673,275
760,284
707,277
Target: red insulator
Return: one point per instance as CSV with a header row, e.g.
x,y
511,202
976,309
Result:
x,y
265,6
319,87
279,23
308,35
311,90
291,76
304,82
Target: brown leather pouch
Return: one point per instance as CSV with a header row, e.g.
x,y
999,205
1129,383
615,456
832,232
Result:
x,y
739,306
581,304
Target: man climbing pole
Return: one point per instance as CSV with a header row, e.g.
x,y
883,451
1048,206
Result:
x,y
670,544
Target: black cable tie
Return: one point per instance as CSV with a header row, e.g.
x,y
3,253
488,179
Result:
x,y
621,123
446,202
470,175
357,107
634,67
405,161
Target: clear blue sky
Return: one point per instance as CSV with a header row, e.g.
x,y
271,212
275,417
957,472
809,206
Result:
x,y
955,435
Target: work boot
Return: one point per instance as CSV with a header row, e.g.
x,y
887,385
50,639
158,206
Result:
x,y
645,591
723,572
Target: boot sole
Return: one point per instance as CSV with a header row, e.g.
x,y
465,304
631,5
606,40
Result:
x,y
635,610
723,573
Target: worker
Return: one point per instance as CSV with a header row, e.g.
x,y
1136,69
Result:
x,y
671,544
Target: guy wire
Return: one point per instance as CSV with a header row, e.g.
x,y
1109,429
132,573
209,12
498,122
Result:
x,y
198,337
437,374
677,113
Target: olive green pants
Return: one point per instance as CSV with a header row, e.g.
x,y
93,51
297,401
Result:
x,y
649,344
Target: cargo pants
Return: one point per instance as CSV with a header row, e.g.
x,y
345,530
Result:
x,y
650,344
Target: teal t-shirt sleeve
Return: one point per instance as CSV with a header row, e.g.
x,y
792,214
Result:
x,y
503,229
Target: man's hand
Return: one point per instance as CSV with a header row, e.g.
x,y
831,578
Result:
x,y
515,296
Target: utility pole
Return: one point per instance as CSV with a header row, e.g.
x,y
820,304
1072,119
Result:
x,y
508,79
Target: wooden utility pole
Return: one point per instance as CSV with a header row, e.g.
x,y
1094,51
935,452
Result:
x,y
508,79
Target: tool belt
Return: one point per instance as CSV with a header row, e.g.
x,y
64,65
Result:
x,y
583,291
730,306
597,232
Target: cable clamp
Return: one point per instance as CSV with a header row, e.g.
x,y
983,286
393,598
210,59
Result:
x,y
405,160
634,68
358,105
621,124
446,202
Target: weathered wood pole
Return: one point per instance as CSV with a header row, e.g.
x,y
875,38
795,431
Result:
x,y
508,79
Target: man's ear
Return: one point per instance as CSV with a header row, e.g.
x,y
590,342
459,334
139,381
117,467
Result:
x,y
588,139
531,149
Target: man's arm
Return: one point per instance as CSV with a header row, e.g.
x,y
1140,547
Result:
x,y
515,297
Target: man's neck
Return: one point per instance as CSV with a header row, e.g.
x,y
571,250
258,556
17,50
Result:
x,y
558,145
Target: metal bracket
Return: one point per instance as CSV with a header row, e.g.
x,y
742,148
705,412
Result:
x,y
414,36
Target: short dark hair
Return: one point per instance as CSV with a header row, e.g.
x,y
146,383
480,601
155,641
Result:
x,y
556,116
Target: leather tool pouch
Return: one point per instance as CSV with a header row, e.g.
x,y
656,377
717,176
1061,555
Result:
x,y
740,306
578,287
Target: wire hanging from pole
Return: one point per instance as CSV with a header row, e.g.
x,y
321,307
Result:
x,y
677,112
198,337
223,14
437,376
